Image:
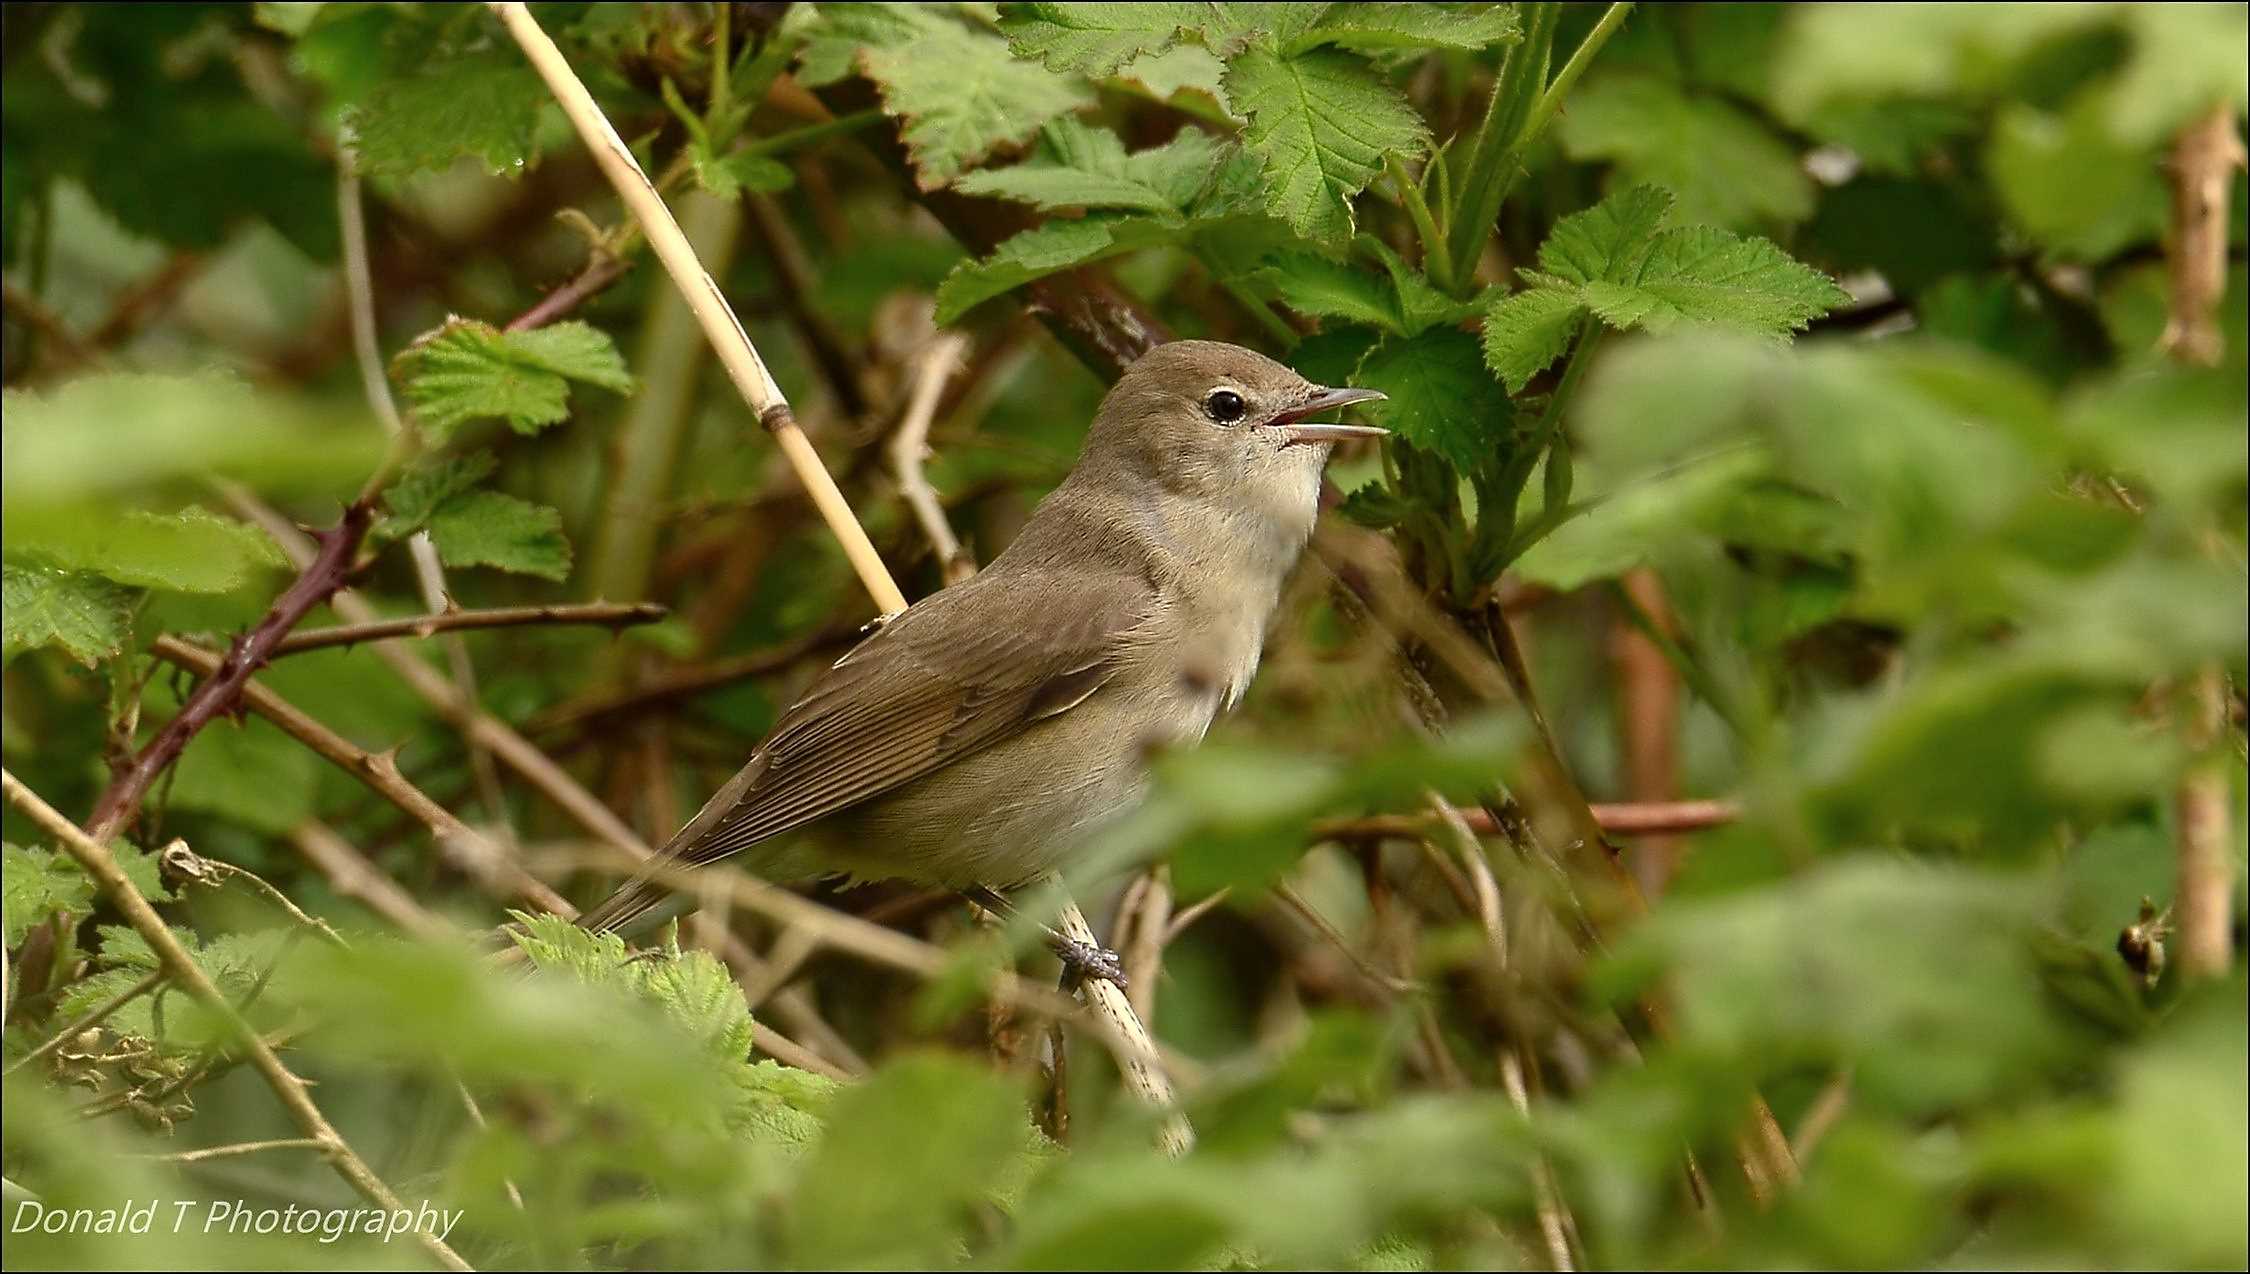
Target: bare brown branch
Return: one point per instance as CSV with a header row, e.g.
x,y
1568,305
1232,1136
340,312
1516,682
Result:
x,y
599,614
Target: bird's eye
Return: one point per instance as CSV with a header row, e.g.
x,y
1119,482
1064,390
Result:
x,y
1225,406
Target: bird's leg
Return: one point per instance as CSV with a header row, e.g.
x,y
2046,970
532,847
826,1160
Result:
x,y
1080,960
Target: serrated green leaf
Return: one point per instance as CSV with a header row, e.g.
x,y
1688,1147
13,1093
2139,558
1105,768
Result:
x,y
1084,167
1615,261
191,551
1441,398
1701,274
1312,284
1526,332
1372,27
1181,68
416,496
1321,123
491,528
1725,167
482,104
958,93
469,370
88,617
1608,240
1045,250
1095,39
37,884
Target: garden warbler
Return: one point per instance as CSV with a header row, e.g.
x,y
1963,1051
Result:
x,y
974,739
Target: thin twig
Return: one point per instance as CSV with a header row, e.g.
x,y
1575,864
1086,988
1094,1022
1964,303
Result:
x,y
1144,954
2203,164
240,1148
295,1099
472,851
600,614
1555,1224
1629,819
910,446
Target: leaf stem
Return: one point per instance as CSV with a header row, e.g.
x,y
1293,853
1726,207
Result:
x,y
1580,58
1435,261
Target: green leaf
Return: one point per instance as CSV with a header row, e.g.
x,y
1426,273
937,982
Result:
x,y
1095,39
1614,261
1726,167
1312,284
1322,123
1526,332
485,104
1608,240
870,1197
1915,977
490,528
97,438
429,485
2069,187
469,370
88,617
1045,250
192,551
727,176
1700,274
1084,167
37,884
958,93
1441,397
1367,28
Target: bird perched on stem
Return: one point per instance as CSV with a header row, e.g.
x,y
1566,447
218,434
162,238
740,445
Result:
x,y
974,739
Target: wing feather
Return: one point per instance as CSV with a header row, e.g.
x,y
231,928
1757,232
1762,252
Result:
x,y
958,672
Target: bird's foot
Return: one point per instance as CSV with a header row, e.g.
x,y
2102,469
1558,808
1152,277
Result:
x,y
1084,960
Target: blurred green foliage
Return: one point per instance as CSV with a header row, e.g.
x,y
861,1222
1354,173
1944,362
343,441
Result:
x,y
1844,323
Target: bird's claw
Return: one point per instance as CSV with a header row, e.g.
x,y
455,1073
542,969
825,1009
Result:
x,y
1083,960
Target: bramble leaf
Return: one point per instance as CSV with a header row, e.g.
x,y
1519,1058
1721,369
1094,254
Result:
x,y
958,92
1614,261
1095,39
468,370
491,528
1045,250
1441,398
1525,332
87,616
1371,27
1322,123
486,105
1085,167
191,551
417,495
37,884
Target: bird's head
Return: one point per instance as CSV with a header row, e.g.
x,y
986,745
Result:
x,y
1216,421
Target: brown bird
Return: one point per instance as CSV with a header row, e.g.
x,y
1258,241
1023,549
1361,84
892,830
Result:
x,y
975,739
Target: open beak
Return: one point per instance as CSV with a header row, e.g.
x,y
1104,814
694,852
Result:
x,y
1295,429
